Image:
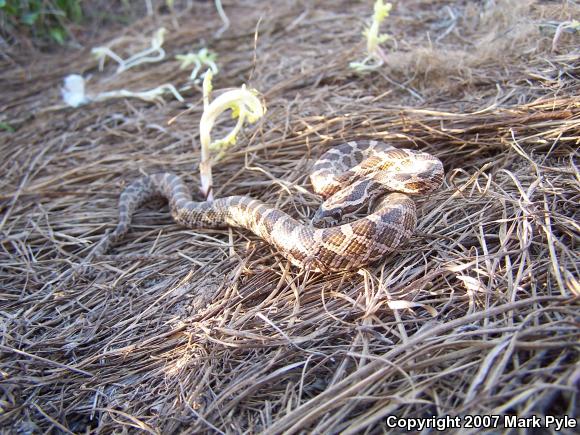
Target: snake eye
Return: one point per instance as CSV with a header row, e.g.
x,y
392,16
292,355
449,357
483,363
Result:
x,y
327,217
335,216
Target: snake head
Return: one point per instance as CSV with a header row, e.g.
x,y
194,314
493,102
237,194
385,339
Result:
x,y
327,217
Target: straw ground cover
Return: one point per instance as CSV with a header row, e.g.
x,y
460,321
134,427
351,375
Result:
x,y
210,330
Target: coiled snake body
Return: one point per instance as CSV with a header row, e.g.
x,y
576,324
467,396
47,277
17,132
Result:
x,y
353,176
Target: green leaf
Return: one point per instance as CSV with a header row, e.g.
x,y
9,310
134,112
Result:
x,y
63,5
2,3
57,34
6,127
30,18
76,13
10,9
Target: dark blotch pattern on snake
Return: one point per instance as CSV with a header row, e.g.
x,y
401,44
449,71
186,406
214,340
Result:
x,y
354,177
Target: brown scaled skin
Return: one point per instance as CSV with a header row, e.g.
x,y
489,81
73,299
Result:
x,y
343,247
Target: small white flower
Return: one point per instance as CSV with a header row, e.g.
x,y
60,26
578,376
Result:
x,y
73,91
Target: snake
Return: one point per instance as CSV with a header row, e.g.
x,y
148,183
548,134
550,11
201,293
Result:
x,y
369,178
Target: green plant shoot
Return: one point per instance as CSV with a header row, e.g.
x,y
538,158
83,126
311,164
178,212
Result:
x,y
203,57
375,56
74,94
244,104
155,53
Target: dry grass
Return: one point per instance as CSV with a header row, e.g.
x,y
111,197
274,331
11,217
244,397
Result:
x,y
211,331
